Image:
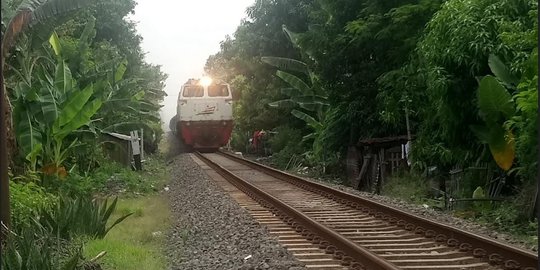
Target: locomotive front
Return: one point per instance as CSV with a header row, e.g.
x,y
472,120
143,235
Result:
x,y
204,114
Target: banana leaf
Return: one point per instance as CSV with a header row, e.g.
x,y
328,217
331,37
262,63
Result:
x,y
28,135
294,81
120,70
285,103
293,37
494,100
308,119
74,105
502,147
500,141
82,118
502,71
54,40
291,92
49,106
311,100
286,64
63,80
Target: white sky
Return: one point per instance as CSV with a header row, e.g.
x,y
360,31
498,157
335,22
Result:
x,y
180,35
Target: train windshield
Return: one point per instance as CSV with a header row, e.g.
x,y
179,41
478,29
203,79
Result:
x,y
217,90
193,91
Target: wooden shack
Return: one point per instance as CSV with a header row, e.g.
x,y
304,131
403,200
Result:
x,y
372,160
124,149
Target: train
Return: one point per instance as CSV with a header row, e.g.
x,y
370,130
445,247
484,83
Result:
x,y
204,115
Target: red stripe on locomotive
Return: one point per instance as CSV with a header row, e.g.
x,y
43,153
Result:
x,y
211,134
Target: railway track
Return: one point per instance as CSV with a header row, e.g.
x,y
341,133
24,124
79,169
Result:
x,y
329,229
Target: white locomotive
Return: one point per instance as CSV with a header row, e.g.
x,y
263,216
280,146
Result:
x,y
204,119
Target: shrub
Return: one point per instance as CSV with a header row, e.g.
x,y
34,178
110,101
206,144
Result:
x,y
27,199
409,187
112,178
285,137
240,141
287,148
33,247
80,216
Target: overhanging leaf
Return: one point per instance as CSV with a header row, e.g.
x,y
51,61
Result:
x,y
49,106
308,137
294,81
138,96
54,40
120,70
320,100
82,118
286,64
494,99
291,92
293,37
74,105
501,70
312,107
34,153
285,103
502,147
307,118
28,135
63,80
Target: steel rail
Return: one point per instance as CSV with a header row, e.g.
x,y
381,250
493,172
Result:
x,y
479,246
357,253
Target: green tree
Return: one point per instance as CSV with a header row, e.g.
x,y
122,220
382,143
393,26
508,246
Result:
x,y
239,63
352,45
454,50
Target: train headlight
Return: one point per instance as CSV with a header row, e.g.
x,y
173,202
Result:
x,y
206,81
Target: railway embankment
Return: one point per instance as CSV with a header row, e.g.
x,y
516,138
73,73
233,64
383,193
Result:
x,y
210,230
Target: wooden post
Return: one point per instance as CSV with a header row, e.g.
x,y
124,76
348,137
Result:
x,y
142,144
382,168
5,211
374,171
135,146
409,137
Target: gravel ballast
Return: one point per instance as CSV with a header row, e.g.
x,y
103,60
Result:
x,y
211,231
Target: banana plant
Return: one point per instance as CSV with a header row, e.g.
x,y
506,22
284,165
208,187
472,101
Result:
x,y
49,110
308,100
309,96
496,106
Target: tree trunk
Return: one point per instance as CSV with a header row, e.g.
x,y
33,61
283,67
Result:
x,y
5,123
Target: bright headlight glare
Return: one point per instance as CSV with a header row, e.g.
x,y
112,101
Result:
x,y
205,81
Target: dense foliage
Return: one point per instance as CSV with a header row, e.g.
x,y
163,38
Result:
x,y
74,70
378,61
